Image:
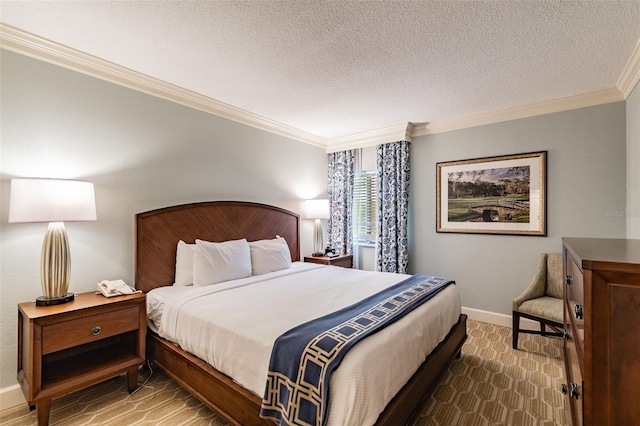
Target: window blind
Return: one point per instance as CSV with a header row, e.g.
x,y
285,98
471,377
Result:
x,y
364,207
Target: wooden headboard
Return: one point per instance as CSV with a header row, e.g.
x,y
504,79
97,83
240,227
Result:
x,y
157,233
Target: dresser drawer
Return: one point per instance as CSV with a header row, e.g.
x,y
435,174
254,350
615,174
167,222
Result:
x,y
575,301
574,395
68,334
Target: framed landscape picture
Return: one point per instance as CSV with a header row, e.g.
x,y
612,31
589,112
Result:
x,y
494,195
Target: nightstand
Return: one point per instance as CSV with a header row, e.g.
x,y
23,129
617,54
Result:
x,y
344,260
65,348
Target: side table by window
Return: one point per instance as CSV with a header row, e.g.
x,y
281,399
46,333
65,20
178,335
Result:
x,y
343,260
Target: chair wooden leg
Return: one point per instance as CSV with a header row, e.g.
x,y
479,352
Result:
x,y
515,328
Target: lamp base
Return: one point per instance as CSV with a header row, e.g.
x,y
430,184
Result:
x,y
48,301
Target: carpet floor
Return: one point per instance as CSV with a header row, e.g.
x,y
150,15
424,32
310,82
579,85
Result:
x,y
491,384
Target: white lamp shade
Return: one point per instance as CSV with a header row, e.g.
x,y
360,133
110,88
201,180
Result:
x,y
317,209
51,200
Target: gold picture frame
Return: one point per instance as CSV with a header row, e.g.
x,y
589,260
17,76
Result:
x,y
503,195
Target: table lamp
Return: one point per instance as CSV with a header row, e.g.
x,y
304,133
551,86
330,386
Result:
x,y
317,209
54,201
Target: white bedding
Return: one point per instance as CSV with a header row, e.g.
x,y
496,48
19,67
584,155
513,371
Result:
x,y
233,325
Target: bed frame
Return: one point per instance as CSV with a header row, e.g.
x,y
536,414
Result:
x,y
157,235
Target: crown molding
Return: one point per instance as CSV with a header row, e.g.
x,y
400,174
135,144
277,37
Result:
x,y
395,133
631,74
29,44
531,110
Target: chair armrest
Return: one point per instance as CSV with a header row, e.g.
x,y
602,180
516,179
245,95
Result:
x,y
536,286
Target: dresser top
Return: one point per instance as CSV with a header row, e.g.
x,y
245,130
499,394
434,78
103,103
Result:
x,y
605,253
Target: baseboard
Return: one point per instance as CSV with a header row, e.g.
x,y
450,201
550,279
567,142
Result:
x,y
10,397
498,319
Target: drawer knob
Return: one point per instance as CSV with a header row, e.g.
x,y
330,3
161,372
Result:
x,y
568,279
96,330
578,310
574,391
566,334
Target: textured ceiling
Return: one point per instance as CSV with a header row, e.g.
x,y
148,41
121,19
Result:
x,y
335,68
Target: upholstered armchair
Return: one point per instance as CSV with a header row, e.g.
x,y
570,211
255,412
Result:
x,y
542,300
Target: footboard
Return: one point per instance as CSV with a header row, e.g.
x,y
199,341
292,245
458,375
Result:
x,y
406,405
241,407
217,391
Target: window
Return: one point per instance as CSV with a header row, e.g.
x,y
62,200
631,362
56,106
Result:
x,y
364,207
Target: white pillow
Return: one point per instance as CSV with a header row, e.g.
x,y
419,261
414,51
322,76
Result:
x,y
269,255
217,262
184,263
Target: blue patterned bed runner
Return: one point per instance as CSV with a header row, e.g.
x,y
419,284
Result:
x,y
304,357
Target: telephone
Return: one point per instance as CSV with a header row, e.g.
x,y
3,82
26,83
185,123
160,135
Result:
x,y
115,288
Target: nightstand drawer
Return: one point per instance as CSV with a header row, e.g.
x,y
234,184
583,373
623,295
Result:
x,y
343,260
68,334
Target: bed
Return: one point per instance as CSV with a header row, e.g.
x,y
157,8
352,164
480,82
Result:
x,y
157,235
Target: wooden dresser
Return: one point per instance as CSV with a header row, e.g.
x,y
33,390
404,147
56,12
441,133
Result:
x,y
602,330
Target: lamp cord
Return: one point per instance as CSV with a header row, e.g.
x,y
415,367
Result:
x,y
144,385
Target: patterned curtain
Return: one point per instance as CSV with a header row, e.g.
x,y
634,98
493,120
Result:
x,y
392,253
340,192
